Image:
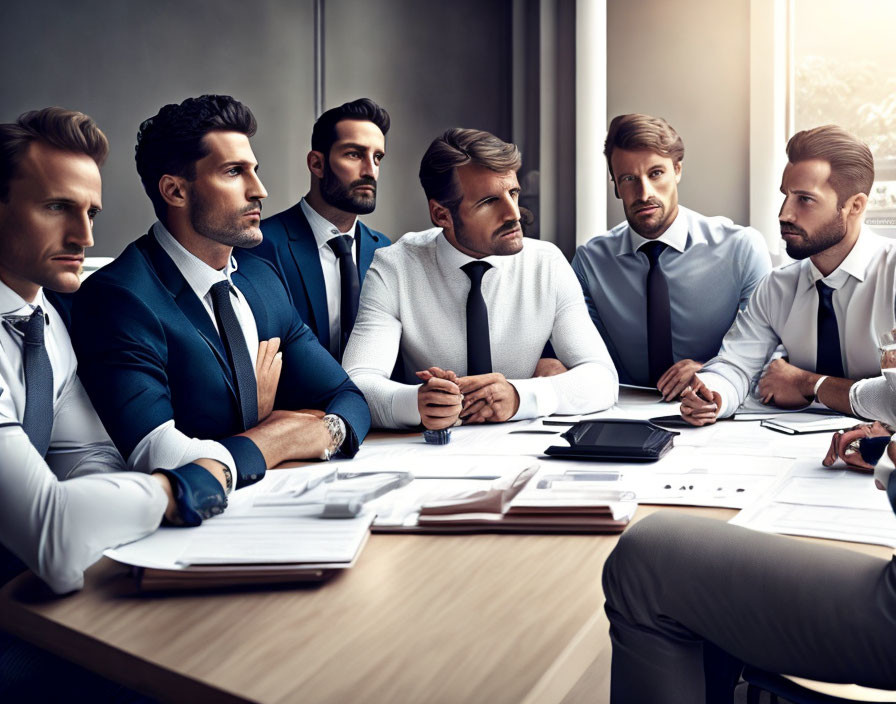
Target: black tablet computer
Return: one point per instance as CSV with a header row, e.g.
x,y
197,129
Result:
x,y
614,440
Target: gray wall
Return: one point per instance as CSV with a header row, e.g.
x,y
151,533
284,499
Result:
x,y
688,62
120,61
432,65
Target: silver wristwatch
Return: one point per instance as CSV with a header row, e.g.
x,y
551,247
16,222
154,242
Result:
x,y
336,427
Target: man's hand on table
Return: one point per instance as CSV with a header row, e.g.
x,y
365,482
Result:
x,y
438,398
787,386
700,405
488,398
845,446
677,378
291,435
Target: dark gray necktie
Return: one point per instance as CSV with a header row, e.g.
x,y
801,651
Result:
x,y
479,351
238,354
659,318
828,360
350,286
38,420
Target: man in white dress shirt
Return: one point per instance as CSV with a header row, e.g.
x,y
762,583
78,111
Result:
x,y
64,493
842,267
471,304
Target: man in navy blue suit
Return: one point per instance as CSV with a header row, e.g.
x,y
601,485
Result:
x,y
319,246
187,353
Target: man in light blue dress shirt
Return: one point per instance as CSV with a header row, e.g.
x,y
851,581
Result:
x,y
644,156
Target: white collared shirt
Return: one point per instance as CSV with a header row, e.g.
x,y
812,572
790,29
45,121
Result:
x,y
784,310
59,528
414,300
324,231
165,447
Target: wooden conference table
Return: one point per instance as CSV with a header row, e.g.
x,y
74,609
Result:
x,y
479,618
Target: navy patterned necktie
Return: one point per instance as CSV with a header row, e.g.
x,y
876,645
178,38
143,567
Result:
x,y
479,350
828,360
38,420
659,318
237,353
350,286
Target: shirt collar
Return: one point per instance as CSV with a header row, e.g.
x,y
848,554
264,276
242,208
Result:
x,y
676,235
322,229
12,303
449,257
199,275
855,264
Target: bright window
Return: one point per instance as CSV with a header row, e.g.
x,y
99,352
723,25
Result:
x,y
844,72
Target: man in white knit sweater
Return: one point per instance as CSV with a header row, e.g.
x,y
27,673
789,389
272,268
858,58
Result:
x,y
471,304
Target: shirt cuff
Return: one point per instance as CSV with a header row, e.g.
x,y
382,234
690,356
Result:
x,y
724,388
872,399
405,413
537,398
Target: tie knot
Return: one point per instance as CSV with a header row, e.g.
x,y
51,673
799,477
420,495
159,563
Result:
x,y
342,245
32,326
825,292
220,290
476,270
653,250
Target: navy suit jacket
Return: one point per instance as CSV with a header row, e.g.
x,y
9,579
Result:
x,y
290,246
148,352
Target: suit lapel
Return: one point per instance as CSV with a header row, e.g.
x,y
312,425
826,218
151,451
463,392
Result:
x,y
303,248
187,301
257,303
367,242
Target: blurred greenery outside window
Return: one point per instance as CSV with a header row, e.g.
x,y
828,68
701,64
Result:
x,y
844,72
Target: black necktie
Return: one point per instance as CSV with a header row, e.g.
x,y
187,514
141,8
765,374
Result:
x,y
827,359
38,420
479,350
350,286
237,353
659,319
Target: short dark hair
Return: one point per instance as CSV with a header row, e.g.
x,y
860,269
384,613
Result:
x,y
323,136
171,142
63,129
852,165
637,131
458,147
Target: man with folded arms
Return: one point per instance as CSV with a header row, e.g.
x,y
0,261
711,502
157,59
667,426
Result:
x,y
471,304
827,309
639,278
65,496
181,344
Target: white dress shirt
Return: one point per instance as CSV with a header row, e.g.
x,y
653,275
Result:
x,y
324,231
784,310
165,447
414,300
59,528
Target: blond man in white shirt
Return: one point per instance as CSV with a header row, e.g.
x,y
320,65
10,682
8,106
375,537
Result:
x,y
827,309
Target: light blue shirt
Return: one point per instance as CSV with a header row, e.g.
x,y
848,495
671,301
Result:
x,y
711,266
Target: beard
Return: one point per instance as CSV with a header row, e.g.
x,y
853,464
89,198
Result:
x,y
499,246
341,197
826,236
227,228
651,227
